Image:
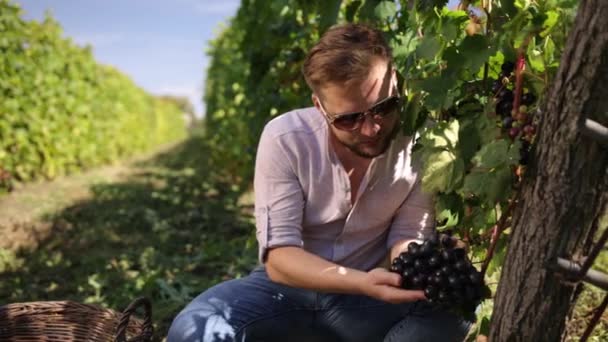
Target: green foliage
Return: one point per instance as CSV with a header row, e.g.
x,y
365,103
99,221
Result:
x,y
60,111
170,230
445,72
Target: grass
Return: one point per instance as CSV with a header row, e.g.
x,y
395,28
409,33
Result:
x,y
168,232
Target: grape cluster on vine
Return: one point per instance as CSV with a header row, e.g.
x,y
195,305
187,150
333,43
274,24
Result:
x,y
516,122
443,271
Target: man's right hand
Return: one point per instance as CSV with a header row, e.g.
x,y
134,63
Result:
x,y
386,286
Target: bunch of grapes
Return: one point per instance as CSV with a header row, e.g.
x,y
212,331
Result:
x,y
516,122
443,272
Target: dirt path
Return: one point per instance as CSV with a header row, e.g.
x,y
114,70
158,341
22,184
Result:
x,y
24,212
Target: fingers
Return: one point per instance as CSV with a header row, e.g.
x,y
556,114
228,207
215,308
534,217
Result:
x,y
383,277
396,296
392,279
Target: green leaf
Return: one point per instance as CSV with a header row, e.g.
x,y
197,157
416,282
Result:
x,y
455,61
385,10
483,217
469,140
405,45
486,128
443,170
550,21
367,11
549,52
428,48
443,135
328,11
535,57
412,115
351,10
449,30
490,186
476,51
439,90
497,153
449,208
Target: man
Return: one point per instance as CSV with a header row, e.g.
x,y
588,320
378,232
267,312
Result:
x,y
336,193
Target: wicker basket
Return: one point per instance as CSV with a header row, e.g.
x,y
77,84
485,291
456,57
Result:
x,y
71,321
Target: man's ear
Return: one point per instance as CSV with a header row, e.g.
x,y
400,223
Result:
x,y
316,102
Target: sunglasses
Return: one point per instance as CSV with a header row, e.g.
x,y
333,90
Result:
x,y
353,121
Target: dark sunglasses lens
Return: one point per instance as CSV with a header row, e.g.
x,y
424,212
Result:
x,y
348,122
386,107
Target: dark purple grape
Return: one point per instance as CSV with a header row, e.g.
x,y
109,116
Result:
x,y
408,272
458,297
496,86
413,249
459,253
397,268
421,265
475,277
505,95
431,292
529,129
469,293
427,248
461,265
504,108
446,241
507,122
463,278
434,239
406,259
528,99
447,270
514,132
443,296
441,281
507,67
454,282
435,261
406,283
418,281
448,256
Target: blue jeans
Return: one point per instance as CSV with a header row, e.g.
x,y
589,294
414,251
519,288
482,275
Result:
x,y
254,308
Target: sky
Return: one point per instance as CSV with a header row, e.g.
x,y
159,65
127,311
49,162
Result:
x,y
160,44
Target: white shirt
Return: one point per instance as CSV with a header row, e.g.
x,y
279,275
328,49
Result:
x,y
303,195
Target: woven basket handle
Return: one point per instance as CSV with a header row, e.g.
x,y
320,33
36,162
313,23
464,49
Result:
x,y
147,331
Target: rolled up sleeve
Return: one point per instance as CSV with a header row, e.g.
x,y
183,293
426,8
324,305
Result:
x,y
415,218
279,200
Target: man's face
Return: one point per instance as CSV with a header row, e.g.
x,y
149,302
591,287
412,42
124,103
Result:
x,y
374,136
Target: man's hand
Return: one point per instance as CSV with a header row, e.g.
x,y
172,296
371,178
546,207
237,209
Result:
x,y
384,285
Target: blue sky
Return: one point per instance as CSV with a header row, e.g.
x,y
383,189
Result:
x,y
160,44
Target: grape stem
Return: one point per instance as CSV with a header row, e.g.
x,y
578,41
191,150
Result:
x,y
519,78
497,230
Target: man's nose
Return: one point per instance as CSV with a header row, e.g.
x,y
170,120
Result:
x,y
369,127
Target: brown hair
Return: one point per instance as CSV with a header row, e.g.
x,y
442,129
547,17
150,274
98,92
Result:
x,y
344,53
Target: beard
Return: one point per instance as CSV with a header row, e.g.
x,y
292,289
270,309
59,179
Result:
x,y
379,146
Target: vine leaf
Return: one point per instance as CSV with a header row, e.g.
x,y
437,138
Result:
x,y
490,186
385,10
497,153
476,50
